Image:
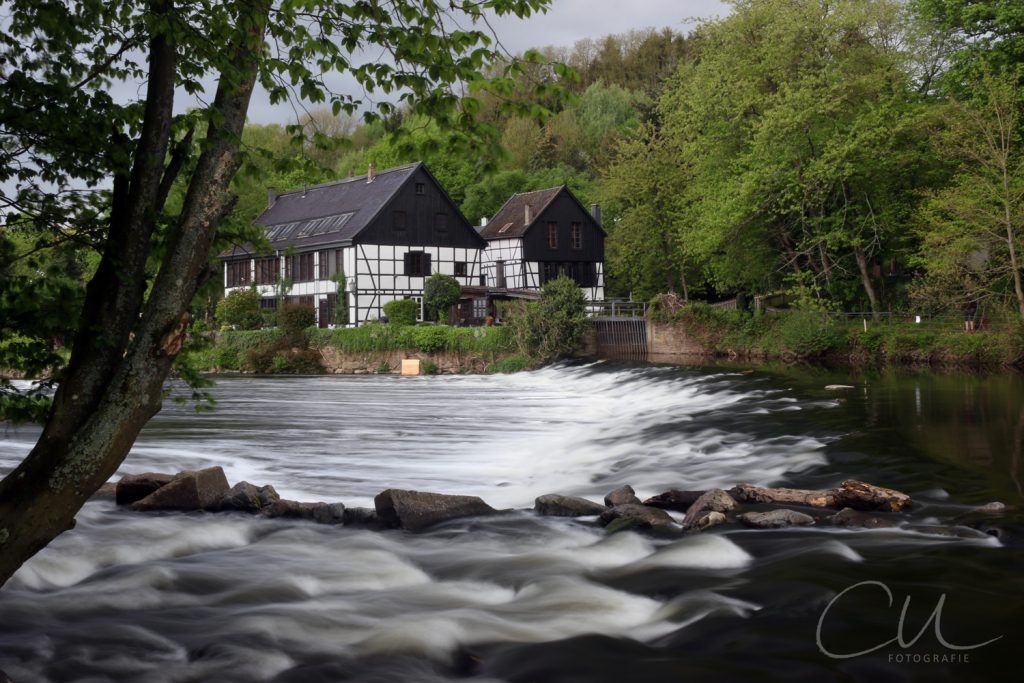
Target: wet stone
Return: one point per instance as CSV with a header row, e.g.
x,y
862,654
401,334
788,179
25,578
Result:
x,y
624,495
557,505
775,519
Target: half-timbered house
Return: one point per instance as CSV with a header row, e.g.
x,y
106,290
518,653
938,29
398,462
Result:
x,y
386,231
537,236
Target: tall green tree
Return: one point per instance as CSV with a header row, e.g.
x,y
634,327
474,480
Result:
x,y
62,132
972,230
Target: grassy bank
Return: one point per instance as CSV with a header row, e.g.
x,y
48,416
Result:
x,y
815,335
271,351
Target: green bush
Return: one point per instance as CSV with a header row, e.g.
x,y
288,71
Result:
x,y
428,367
402,311
240,309
431,339
294,318
440,292
809,333
553,326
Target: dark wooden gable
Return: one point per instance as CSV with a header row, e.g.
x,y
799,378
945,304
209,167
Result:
x,y
420,213
562,211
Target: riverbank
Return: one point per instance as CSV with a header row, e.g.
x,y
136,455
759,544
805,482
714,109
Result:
x,y
700,330
370,349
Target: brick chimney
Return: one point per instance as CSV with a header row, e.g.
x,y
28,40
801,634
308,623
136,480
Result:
x,y
527,214
371,172
595,211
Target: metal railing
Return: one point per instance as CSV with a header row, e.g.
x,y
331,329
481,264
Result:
x,y
617,308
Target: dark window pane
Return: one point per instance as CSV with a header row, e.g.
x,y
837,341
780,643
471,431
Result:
x,y
552,235
460,269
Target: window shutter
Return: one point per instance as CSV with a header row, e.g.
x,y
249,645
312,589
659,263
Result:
x,y
408,264
426,265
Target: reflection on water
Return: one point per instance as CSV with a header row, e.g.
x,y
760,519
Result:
x,y
131,597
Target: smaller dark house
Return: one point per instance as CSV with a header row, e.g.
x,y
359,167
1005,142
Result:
x,y
537,236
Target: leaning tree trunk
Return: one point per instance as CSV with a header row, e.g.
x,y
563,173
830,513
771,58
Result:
x,y
865,278
100,409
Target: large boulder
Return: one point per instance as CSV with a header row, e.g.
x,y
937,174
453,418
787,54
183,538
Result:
x,y
715,500
135,487
674,500
556,505
198,490
775,519
414,510
246,497
624,495
643,515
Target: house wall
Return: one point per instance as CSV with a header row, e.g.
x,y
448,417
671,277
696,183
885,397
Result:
x,y
564,211
511,252
378,275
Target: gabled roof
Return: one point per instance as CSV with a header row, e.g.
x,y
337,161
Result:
x,y
510,219
329,213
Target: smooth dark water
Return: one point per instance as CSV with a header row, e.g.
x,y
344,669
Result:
x,y
131,597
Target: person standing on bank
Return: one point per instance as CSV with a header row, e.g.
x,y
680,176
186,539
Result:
x,y
970,309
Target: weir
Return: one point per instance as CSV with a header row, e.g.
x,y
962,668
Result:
x,y
620,337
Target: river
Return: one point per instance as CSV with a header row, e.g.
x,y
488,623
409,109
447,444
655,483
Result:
x,y
516,597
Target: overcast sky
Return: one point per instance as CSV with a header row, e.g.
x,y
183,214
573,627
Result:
x,y
565,23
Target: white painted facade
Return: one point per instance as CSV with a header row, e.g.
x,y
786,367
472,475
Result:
x,y
375,274
505,256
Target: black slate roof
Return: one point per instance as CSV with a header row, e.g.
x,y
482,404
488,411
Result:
x,y
330,213
510,219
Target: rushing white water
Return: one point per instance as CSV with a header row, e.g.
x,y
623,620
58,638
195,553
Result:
x,y
127,596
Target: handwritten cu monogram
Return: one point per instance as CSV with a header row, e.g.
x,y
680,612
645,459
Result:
x,y
936,618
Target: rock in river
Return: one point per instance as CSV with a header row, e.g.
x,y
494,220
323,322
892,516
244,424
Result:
x,y
566,506
414,510
645,516
674,500
246,497
715,500
624,495
135,487
855,519
198,490
775,519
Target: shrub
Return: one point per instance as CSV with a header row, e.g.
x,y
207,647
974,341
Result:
x,y
808,333
431,339
402,311
294,318
440,292
240,309
428,367
554,325
511,364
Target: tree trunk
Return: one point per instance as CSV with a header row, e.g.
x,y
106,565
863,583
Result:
x,y
851,493
1011,240
865,278
88,434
